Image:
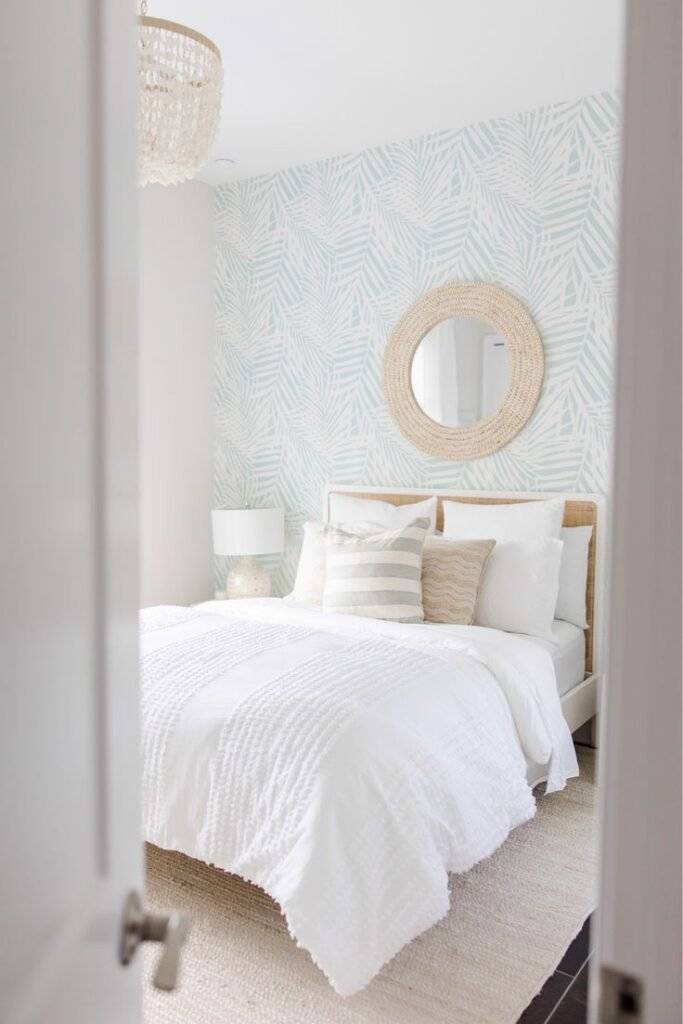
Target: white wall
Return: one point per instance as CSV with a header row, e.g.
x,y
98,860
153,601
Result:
x,y
484,59
176,338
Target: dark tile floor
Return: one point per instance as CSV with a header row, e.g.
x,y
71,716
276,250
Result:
x,y
564,997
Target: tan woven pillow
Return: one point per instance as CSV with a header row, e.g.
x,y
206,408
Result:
x,y
451,573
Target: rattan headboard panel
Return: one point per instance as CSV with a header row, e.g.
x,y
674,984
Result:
x,y
577,512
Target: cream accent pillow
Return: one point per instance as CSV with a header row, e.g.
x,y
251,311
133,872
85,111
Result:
x,y
346,509
526,520
451,574
519,590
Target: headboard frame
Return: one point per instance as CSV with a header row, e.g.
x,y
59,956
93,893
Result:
x,y
579,510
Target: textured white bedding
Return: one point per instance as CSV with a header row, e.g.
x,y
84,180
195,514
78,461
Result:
x,y
345,765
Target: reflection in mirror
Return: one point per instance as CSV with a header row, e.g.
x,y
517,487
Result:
x,y
460,371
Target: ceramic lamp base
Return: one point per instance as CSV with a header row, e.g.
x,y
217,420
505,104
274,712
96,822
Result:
x,y
247,579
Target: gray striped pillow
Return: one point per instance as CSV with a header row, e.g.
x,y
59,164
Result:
x,y
377,576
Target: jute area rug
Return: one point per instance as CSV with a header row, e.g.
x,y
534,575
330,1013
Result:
x,y
511,920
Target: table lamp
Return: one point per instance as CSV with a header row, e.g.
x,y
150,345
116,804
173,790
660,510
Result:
x,y
248,532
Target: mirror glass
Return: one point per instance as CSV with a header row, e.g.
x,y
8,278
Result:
x,y
460,371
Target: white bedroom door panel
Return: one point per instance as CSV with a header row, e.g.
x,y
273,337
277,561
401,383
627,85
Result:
x,y
69,779
639,927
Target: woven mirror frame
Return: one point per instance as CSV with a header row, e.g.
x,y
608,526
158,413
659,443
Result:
x,y
509,317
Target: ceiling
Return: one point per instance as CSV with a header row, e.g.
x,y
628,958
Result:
x,y
305,79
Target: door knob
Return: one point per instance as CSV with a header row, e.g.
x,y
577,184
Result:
x,y
138,926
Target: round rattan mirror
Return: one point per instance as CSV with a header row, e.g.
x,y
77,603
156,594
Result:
x,y
463,370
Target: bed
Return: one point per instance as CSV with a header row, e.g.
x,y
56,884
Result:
x,y
347,765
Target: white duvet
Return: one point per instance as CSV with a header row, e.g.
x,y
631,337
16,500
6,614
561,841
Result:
x,y
344,765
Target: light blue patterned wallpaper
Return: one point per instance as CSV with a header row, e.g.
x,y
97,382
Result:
x,y
315,265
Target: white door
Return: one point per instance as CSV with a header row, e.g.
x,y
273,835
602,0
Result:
x,y
640,899
69,814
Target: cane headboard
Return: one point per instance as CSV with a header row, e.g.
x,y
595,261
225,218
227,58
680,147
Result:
x,y
579,510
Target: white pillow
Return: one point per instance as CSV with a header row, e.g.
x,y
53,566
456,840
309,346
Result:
x,y
309,584
310,574
527,520
519,590
345,509
571,600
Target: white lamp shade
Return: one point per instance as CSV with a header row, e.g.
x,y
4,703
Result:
x,y
248,531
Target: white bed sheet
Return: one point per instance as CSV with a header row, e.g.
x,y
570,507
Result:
x,y
568,651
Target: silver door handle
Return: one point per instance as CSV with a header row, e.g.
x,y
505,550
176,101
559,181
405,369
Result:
x,y
139,926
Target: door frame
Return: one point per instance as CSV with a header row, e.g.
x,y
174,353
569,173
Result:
x,y
639,917
88,507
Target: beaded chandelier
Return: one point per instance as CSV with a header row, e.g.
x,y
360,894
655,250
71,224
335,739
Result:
x,y
180,76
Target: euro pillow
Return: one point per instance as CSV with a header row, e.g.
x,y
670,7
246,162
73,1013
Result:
x,y
345,509
571,599
310,574
526,520
519,590
452,571
377,576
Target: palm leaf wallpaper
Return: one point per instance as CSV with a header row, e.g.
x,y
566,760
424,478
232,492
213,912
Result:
x,y
316,264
